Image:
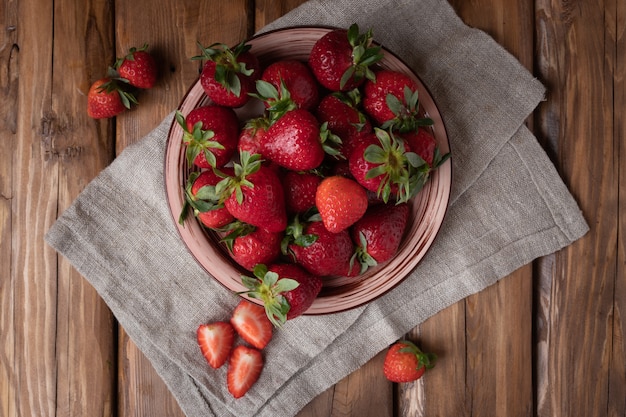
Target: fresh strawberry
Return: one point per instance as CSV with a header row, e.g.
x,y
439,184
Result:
x,y
341,58
228,75
300,188
255,194
211,134
405,362
421,142
216,341
252,133
138,67
244,368
249,245
344,118
379,232
201,197
294,142
106,98
341,202
392,100
286,290
299,83
387,168
319,251
251,323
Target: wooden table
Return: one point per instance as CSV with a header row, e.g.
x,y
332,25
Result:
x,y
546,341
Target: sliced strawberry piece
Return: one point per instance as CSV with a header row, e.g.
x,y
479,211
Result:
x,y
251,322
244,369
216,341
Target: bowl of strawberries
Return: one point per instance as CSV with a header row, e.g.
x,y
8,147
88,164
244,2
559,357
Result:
x,y
307,169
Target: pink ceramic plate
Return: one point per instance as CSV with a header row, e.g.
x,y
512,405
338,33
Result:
x,y
339,293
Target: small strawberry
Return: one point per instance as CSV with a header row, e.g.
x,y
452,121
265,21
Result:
x,y
201,197
106,98
379,232
298,82
228,75
392,100
138,67
251,323
300,188
294,142
341,202
252,133
286,290
344,118
216,341
249,245
387,168
254,194
317,250
244,368
340,59
405,362
422,142
211,134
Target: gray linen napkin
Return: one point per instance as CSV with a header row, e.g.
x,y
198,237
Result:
x,y
508,207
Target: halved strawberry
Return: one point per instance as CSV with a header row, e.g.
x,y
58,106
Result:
x,y
251,323
216,341
244,369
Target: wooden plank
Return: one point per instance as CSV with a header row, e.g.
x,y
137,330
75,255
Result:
x,y
85,348
9,79
266,11
582,338
172,30
493,375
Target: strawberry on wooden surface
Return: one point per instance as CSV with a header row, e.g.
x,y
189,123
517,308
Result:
x,y
228,75
405,362
341,59
252,324
211,134
216,342
138,67
107,98
244,368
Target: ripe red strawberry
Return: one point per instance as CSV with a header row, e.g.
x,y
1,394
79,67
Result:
x,y
405,362
421,142
251,323
300,188
379,232
255,194
216,341
392,101
244,368
387,168
251,135
294,142
341,112
106,98
341,202
249,245
228,75
138,67
211,134
319,251
286,290
298,82
341,58
201,197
